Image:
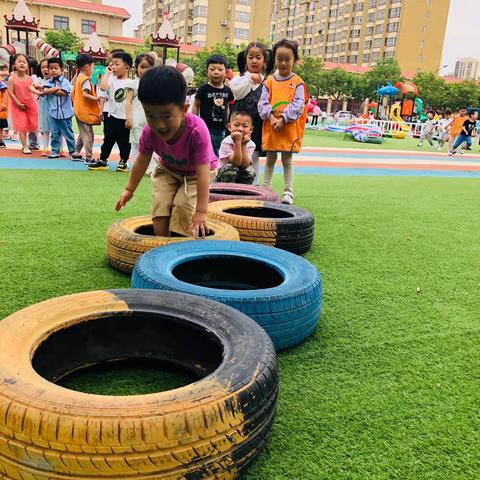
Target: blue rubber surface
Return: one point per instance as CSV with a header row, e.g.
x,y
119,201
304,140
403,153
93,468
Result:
x,y
288,312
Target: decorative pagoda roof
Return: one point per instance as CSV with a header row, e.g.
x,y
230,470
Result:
x,y
93,47
165,37
22,19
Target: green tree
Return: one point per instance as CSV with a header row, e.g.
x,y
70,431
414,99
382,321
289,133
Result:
x,y
336,83
463,94
64,40
431,89
359,90
145,48
387,70
310,70
199,61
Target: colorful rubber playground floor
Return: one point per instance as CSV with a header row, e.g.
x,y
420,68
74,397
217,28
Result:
x,y
312,160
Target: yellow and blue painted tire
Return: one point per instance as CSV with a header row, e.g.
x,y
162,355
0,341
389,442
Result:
x,y
132,237
275,224
210,429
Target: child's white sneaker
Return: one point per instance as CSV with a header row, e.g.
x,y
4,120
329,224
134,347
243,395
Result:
x,y
287,198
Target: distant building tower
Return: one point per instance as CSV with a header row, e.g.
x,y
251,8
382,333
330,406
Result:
x,y
467,69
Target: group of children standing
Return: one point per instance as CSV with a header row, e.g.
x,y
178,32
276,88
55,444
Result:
x,y
264,115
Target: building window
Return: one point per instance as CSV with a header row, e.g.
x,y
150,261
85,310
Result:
x,y
200,11
388,54
379,28
394,12
352,58
244,2
368,44
390,41
354,46
377,43
242,16
88,26
366,58
199,28
241,33
60,23
392,27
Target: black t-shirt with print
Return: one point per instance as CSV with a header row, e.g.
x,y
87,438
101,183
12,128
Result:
x,y
468,125
214,105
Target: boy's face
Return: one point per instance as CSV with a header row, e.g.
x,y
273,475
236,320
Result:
x,y
462,112
240,123
118,67
216,72
166,120
474,116
54,70
430,115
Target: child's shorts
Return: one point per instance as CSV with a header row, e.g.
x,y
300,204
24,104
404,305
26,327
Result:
x,y
3,123
229,173
174,196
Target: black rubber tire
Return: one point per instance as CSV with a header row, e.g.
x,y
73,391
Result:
x,y
237,191
131,237
212,428
281,291
283,226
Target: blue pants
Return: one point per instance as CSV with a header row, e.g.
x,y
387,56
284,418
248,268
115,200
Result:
x,y
460,139
61,128
217,137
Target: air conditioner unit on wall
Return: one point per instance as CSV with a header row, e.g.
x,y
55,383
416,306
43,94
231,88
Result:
x,y
223,23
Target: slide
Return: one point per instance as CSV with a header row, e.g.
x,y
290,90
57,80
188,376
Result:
x,y
395,115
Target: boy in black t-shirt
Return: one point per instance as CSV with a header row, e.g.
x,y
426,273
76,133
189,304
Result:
x,y
212,100
469,130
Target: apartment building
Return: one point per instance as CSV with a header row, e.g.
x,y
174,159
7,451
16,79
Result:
x,y
466,69
362,32
207,22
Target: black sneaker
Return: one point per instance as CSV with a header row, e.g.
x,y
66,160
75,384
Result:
x,y
122,167
76,157
2,145
98,165
34,147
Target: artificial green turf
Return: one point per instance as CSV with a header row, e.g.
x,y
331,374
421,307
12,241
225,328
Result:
x,y
389,385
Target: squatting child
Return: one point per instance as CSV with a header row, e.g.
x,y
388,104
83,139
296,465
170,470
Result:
x,y
236,150
181,180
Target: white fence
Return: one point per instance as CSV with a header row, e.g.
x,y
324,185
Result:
x,y
385,125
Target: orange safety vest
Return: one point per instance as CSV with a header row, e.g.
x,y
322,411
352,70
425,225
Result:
x,y
85,110
457,125
290,137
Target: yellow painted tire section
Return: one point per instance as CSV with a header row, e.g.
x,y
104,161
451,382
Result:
x,y
125,244
210,429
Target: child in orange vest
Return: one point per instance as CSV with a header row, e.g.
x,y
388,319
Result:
x,y
85,106
283,109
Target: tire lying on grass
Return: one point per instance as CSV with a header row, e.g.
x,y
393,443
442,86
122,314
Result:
x,y
237,191
280,291
131,237
282,226
212,428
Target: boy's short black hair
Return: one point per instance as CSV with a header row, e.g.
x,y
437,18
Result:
x,y
84,59
116,50
162,85
431,111
125,57
241,112
448,112
217,59
472,112
56,60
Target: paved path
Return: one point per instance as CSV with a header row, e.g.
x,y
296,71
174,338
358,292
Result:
x,y
312,160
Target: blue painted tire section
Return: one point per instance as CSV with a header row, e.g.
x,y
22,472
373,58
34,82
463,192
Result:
x,y
281,291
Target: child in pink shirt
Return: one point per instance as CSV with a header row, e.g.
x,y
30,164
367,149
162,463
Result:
x,y
181,180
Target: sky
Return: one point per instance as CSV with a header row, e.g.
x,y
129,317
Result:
x,y
461,38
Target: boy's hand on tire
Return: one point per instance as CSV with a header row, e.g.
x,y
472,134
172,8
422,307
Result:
x,y
124,198
199,226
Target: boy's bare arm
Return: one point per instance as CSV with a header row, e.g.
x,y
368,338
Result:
x,y
237,159
196,107
138,171
245,157
89,96
199,220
